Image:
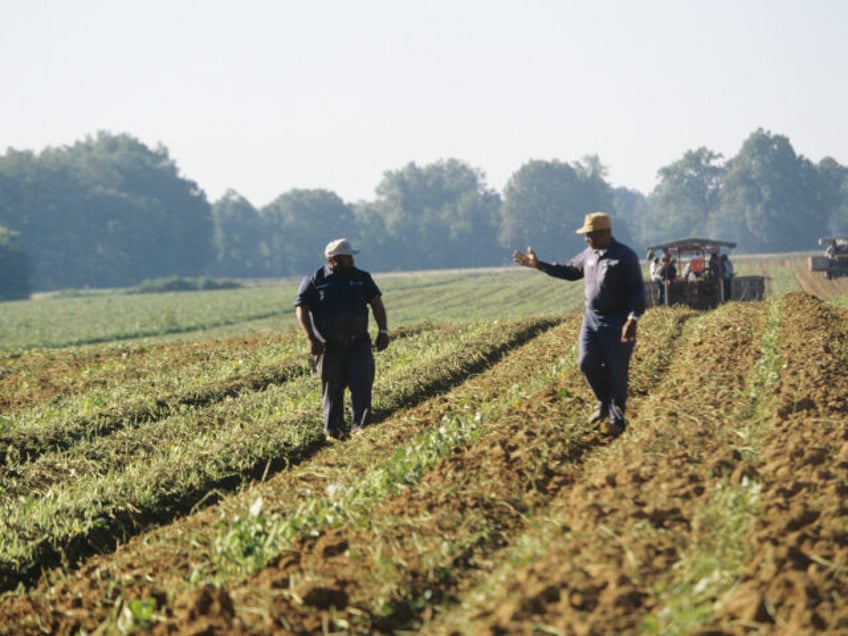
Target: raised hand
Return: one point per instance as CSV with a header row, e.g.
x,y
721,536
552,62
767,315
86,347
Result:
x,y
527,260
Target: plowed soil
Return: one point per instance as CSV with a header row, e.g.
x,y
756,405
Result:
x,y
618,520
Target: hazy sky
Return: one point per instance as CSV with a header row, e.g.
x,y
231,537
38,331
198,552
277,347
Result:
x,y
266,96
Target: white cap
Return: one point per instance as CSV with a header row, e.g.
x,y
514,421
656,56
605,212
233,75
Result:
x,y
339,247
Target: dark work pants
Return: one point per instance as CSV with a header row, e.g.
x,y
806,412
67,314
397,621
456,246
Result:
x,y
343,367
604,360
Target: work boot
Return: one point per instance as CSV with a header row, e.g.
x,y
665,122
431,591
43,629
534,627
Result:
x,y
614,428
600,413
616,424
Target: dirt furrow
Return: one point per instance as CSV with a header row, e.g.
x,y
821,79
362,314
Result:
x,y
116,520
541,526
440,538
631,516
795,582
159,564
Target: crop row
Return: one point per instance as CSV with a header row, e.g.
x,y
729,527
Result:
x,y
411,298
491,506
58,322
100,487
522,429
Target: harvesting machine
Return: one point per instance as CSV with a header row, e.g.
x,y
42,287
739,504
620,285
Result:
x,y
834,263
700,282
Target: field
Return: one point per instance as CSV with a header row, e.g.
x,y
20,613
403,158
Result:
x,y
164,472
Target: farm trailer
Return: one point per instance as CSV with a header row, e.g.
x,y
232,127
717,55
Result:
x,y
834,262
704,288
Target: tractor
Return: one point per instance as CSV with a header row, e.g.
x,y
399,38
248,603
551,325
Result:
x,y
834,263
703,275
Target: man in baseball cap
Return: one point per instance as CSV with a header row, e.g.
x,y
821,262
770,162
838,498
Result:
x,y
332,310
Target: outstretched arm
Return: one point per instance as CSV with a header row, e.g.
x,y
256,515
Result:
x,y
573,270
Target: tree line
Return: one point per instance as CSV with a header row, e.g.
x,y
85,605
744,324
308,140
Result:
x,y
109,211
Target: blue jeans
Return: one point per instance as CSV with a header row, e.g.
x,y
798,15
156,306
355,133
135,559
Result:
x,y
342,367
604,360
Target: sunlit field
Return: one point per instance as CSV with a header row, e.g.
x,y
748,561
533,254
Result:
x,y
163,469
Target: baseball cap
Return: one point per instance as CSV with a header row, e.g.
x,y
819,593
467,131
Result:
x,y
339,247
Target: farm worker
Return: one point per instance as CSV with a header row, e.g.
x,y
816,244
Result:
x,y
712,267
727,275
615,298
656,278
332,310
668,272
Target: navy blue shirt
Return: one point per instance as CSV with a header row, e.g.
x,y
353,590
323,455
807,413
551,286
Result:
x,y
613,278
338,301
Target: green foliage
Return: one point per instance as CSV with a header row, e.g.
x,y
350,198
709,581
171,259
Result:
x,y
183,283
686,197
545,201
105,212
711,569
238,239
109,212
87,318
297,225
766,198
14,267
769,196
440,215
137,616
104,463
248,541
105,317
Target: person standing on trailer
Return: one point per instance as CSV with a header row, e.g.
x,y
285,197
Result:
x,y
727,277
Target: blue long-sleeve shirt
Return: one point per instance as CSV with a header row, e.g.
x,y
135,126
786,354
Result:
x,y
613,278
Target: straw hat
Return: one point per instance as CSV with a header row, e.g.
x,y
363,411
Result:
x,y
594,222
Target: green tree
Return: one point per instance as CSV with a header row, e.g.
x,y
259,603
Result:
x,y
768,197
238,238
833,196
686,196
631,208
297,226
107,211
435,216
172,224
14,267
545,201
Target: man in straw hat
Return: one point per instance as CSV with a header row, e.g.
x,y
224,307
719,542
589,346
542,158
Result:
x,y
332,310
615,298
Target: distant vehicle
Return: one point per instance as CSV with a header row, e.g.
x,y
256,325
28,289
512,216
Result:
x,y
834,263
701,282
